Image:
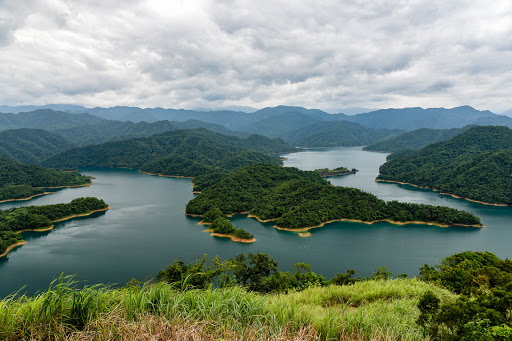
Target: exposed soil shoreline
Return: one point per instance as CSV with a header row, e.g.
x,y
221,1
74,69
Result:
x,y
306,229
436,190
46,193
10,248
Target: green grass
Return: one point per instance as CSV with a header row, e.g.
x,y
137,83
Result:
x,y
382,310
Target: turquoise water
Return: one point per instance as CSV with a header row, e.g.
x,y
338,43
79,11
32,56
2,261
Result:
x,y
146,229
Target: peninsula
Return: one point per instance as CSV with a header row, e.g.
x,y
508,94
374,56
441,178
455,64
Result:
x,y
13,221
22,182
299,200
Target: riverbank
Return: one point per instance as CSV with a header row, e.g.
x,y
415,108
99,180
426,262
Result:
x,y
13,246
442,193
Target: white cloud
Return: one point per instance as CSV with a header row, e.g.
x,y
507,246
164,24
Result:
x,y
322,54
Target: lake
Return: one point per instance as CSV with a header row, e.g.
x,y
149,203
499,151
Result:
x,y
146,229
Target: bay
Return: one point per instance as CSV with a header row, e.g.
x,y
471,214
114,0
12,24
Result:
x,y
146,229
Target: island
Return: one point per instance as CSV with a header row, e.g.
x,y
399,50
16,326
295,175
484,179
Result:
x,y
15,220
300,200
475,165
222,227
326,172
19,181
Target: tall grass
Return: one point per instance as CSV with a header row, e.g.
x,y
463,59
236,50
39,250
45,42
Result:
x,y
380,310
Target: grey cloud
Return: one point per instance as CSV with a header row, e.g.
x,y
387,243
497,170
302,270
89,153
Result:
x,y
325,54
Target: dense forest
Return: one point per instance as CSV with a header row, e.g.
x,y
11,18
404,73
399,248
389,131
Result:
x,y
415,140
31,145
8,238
300,199
18,219
180,152
475,165
18,180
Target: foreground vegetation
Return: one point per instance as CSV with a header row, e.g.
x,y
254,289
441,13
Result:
x,y
248,298
17,219
379,309
475,165
302,199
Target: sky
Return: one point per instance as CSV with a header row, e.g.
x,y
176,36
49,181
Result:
x,y
225,53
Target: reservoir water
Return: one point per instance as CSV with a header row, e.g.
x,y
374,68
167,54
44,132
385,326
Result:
x,y
146,229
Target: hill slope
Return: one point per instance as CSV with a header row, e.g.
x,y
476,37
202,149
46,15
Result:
x,y
476,165
45,119
31,145
18,180
179,152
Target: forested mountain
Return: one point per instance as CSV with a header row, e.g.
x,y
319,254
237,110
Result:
x,y
107,130
416,139
179,152
31,145
435,118
18,180
45,119
300,199
337,133
476,165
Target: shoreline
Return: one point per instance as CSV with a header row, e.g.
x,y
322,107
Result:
x,y
43,229
12,247
306,229
442,193
45,193
27,198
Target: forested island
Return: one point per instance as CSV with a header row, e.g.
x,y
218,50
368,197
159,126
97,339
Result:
x,y
20,181
32,218
222,227
187,153
300,200
326,172
476,165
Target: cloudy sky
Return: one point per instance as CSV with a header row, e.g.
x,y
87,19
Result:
x,y
220,53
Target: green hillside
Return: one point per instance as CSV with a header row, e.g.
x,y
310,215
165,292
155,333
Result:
x,y
18,180
337,133
415,140
180,152
476,165
99,132
45,119
31,145
301,199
